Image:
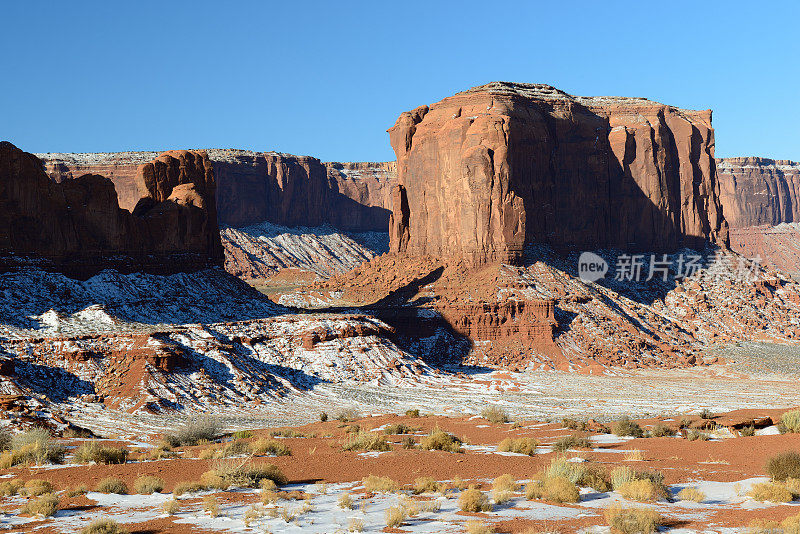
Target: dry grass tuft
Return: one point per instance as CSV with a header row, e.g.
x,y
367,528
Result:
x,y
45,505
9,488
412,413
92,451
74,491
783,466
210,505
345,502
36,486
660,430
790,421
112,485
595,477
632,520
562,467
495,414
188,487
428,485
554,489
399,428
194,431
691,494
171,507
695,435
376,484
348,414
627,427
439,440
34,447
366,441
505,483
478,527
634,455
104,526
395,516
575,441
244,474
147,485
621,476
518,445
642,490
474,500
273,447
770,493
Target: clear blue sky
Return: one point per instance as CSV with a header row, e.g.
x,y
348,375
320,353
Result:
x,y
328,78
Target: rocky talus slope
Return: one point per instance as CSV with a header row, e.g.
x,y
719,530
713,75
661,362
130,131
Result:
x,y
255,187
759,191
776,246
77,226
489,170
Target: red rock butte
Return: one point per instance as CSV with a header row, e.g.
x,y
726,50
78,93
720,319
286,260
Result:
x,y
491,169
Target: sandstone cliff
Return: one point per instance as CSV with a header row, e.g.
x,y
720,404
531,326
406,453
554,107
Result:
x,y
77,226
255,187
489,170
759,191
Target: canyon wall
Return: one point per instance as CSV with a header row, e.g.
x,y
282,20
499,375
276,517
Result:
x,y
254,187
78,227
759,191
489,170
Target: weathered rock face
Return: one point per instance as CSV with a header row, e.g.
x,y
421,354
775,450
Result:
x,y
77,226
487,171
759,191
255,187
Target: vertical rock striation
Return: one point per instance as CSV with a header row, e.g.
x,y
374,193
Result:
x,y
488,170
759,191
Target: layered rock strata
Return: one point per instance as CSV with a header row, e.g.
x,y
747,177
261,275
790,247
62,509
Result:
x,y
489,170
78,227
759,191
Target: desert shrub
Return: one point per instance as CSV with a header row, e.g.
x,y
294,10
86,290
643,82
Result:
x,y
478,527
595,477
5,439
376,484
632,520
355,525
112,485
621,476
9,487
395,516
706,414
104,526
634,455
351,429
439,440
627,427
474,500
93,451
147,485
793,485
641,490
790,421
495,414
193,431
160,452
274,447
766,491
572,424
562,467
269,496
323,416
291,433
245,474
748,431
187,487
505,483
691,494
74,491
575,441
210,505
695,435
661,430
45,505
555,489
37,486
348,414
171,507
398,429
458,483
242,434
412,412
345,502
408,443
784,465
518,445
366,441
267,485
428,485
35,446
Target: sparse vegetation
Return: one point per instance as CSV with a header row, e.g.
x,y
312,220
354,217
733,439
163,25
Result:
x,y
642,490
9,487
244,474
348,414
36,486
414,412
377,484
572,424
366,441
574,441
210,505
93,451
187,487
770,492
474,500
478,527
503,488
748,431
44,505
194,431
323,416
147,485
595,477
399,428
632,520
634,455
34,447
171,507
112,485
784,465
691,494
74,491
518,445
242,434
627,427
428,485
790,421
104,526
439,440
495,414
408,443
695,435
395,516
345,502
273,447
661,430
557,489
706,414
562,467
621,476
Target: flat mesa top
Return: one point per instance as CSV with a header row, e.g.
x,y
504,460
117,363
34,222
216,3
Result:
x,y
541,91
